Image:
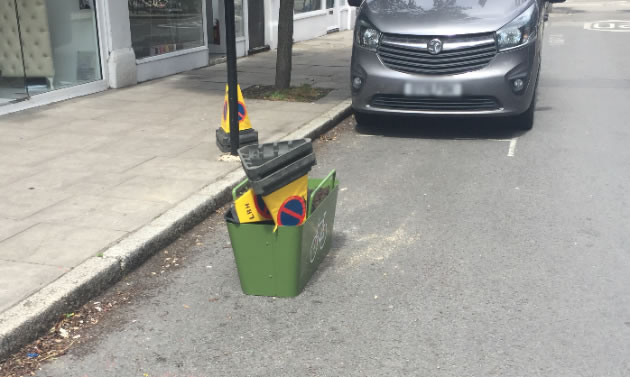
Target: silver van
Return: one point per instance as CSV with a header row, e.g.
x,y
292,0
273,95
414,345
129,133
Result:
x,y
447,58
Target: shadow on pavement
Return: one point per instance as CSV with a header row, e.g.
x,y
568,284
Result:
x,y
338,243
441,128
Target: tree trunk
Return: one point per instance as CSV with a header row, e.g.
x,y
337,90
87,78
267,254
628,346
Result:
x,y
285,44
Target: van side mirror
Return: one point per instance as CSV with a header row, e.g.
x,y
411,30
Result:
x,y
355,3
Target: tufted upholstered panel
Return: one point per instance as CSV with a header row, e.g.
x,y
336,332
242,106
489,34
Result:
x,y
37,48
10,52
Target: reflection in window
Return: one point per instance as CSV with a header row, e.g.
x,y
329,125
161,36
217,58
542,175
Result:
x,y
46,45
302,6
162,26
238,17
330,4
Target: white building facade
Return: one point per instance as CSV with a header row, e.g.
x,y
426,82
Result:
x,y
52,50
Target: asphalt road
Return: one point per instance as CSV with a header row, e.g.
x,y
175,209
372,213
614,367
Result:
x,y
460,249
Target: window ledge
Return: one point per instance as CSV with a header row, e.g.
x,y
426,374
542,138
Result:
x,y
314,13
173,54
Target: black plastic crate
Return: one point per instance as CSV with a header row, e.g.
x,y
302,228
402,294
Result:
x,y
283,176
261,160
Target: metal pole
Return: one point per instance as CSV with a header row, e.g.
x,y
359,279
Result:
x,y
230,40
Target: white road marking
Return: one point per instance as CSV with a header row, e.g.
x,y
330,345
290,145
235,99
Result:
x,y
616,26
479,138
512,149
599,4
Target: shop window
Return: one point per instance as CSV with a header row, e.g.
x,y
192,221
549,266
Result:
x,y
47,45
302,6
163,26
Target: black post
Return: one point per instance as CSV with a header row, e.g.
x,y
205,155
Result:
x,y
230,40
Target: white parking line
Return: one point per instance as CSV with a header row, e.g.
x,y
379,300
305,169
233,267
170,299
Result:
x,y
512,149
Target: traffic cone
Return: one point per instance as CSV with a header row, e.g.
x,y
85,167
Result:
x,y
246,134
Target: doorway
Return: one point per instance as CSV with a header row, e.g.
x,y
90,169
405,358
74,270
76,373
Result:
x,y
256,24
216,27
332,8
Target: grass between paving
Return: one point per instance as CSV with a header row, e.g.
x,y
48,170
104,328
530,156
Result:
x,y
302,93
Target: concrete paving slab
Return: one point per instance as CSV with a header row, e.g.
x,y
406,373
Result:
x,y
18,280
9,227
12,173
12,135
160,105
57,245
98,183
206,117
257,107
184,168
197,86
156,189
201,99
18,204
71,141
76,112
102,212
140,94
148,146
29,119
190,131
94,127
98,100
206,150
136,117
96,161
24,155
54,179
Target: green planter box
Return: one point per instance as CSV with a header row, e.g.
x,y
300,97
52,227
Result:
x,y
280,264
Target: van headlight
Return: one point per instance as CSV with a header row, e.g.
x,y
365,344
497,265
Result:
x,y
367,36
519,32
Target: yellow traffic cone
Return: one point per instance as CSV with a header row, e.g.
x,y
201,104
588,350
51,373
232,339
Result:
x,y
246,134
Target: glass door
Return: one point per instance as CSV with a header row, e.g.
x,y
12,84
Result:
x,y
12,76
215,16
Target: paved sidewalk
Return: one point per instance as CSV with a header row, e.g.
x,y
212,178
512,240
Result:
x,y
79,176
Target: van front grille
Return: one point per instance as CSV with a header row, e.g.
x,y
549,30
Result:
x,y
459,55
396,102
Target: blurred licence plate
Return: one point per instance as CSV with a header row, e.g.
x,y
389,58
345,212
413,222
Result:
x,y
435,89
